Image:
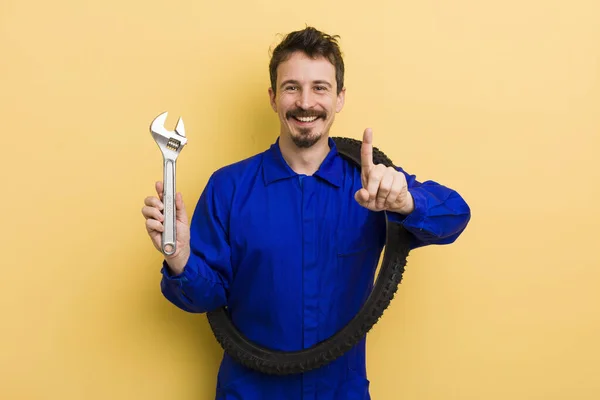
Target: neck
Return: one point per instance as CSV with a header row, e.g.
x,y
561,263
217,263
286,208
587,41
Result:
x,y
304,161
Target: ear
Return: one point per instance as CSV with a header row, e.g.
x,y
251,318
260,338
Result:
x,y
272,99
341,98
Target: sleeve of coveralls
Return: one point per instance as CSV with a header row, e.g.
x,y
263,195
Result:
x,y
440,214
203,284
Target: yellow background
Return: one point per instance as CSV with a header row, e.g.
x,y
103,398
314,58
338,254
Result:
x,y
500,100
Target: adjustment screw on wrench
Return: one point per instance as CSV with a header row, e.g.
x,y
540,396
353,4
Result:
x,y
170,143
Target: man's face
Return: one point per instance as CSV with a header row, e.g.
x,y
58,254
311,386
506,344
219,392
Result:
x,y
306,99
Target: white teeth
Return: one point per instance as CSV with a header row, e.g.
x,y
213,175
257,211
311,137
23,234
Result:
x,y
306,119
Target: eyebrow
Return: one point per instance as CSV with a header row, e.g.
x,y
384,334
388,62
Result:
x,y
319,82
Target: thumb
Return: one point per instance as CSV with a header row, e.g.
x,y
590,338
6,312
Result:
x,y
362,197
159,189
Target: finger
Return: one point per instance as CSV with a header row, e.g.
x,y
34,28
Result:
x,y
153,225
395,191
374,181
153,202
366,150
384,189
152,213
159,189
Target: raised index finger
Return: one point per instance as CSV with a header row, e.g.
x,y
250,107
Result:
x,y
366,150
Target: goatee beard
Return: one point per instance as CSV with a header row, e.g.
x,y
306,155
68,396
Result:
x,y
305,140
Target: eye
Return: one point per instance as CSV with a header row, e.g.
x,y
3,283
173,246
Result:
x,y
321,88
291,87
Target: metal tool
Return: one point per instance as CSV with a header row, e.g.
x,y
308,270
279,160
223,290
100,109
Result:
x,y
170,143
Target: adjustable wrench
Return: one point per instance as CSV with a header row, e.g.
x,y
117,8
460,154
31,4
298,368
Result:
x,y
170,143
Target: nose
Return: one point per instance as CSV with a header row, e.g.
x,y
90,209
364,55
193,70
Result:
x,y
305,99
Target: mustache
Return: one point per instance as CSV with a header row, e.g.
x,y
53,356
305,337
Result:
x,y
298,112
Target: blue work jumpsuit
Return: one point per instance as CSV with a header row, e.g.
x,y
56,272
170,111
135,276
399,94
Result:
x,y
293,258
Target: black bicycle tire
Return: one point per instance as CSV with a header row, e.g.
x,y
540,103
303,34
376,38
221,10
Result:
x,y
275,362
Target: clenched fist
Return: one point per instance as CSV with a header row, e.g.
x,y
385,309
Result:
x,y
152,211
384,188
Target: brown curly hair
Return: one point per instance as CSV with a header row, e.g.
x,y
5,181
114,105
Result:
x,y
313,43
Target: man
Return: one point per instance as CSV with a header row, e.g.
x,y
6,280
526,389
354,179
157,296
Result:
x,y
289,239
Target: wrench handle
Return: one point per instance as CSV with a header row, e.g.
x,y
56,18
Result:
x,y
169,238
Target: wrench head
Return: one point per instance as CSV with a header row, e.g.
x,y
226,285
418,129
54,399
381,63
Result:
x,y
169,141
180,128
158,126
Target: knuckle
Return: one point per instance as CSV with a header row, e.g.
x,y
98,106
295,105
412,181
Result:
x,y
377,174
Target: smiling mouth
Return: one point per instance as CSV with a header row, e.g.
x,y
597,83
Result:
x,y
306,119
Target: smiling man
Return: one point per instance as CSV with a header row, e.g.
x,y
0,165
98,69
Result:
x,y
305,94
289,239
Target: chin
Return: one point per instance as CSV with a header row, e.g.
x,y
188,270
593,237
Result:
x,y
304,143
305,140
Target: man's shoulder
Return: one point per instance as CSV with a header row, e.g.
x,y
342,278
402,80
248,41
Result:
x,y
231,174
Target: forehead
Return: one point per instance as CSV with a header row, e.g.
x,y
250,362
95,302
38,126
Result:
x,y
303,68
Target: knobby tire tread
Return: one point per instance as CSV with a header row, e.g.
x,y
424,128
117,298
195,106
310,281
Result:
x,y
275,362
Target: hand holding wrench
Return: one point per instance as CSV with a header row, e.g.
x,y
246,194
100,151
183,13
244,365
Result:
x,y
170,143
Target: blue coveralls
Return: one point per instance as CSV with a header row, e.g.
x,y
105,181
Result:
x,y
293,258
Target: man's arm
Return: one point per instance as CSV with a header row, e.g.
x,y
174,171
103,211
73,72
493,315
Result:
x,y
433,213
202,285
439,216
